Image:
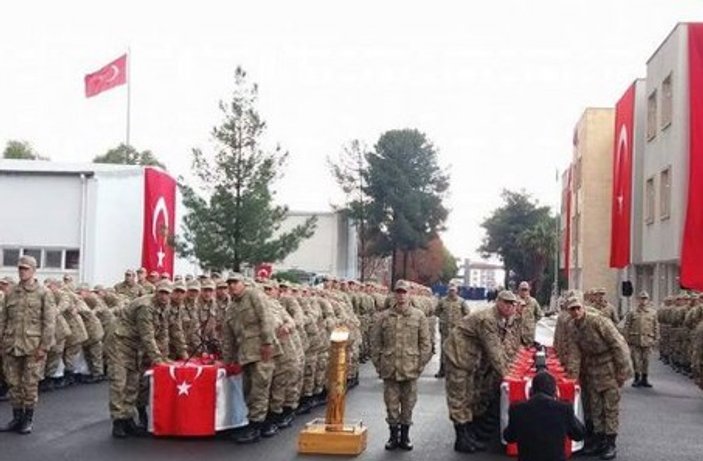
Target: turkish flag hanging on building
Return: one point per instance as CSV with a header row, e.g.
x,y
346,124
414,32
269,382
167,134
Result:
x,y
567,226
692,248
110,76
621,206
159,220
184,400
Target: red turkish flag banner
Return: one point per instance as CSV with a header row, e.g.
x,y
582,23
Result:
x,y
692,248
621,206
184,400
567,230
159,220
110,76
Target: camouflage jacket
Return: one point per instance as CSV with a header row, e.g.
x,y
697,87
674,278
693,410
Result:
x,y
130,291
28,320
450,311
144,326
248,326
291,305
641,327
400,343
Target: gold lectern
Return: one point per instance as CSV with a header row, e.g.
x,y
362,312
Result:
x,y
333,435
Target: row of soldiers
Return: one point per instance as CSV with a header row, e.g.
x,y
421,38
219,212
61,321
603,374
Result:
x,y
681,322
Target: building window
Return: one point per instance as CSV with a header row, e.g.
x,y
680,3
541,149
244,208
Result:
x,y
34,253
649,201
53,259
665,194
73,258
652,115
10,257
667,106
577,174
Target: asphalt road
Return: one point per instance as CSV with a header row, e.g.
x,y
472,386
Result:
x,y
664,423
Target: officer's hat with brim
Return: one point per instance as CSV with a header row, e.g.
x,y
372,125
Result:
x,y
507,295
164,286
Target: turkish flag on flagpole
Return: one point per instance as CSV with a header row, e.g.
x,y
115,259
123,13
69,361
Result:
x,y
622,181
692,248
110,76
159,220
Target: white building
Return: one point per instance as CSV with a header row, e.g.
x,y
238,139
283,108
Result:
x,y
81,219
483,274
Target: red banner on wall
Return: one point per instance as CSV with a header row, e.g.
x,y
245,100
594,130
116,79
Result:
x,y
159,220
692,249
567,227
621,206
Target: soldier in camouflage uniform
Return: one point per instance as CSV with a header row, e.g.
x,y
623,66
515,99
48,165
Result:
x,y
206,337
93,346
450,310
474,356
600,357
677,317
400,349
62,331
694,318
665,329
602,304
106,319
26,334
129,286
147,287
641,331
532,313
249,339
4,287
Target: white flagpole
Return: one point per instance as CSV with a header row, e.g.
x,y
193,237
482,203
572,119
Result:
x,y
129,71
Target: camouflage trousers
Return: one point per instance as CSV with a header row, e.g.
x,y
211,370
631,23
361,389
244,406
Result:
x,y
354,354
664,342
309,373
94,357
321,371
640,359
70,356
282,381
124,371
53,359
293,392
605,410
432,323
400,398
461,389
22,374
697,355
257,388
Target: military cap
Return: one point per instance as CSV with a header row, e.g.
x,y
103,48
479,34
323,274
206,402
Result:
x,y
207,284
284,284
524,284
177,278
83,286
234,277
67,277
507,295
27,262
179,285
452,286
129,272
202,277
643,295
600,291
216,275
401,285
98,288
189,277
221,283
165,276
574,301
193,285
164,285
47,281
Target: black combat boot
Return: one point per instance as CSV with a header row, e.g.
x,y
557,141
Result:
x,y
286,418
143,417
482,428
250,433
305,406
636,381
3,392
27,422
134,429
645,382
405,443
16,422
593,445
268,427
610,451
470,429
279,420
46,385
440,372
463,443
59,383
394,438
119,431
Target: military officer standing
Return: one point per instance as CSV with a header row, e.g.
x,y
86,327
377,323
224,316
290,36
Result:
x,y
400,349
129,286
532,312
450,310
641,332
26,335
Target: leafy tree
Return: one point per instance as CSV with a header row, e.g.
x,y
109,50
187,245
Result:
x,y
406,188
521,232
231,219
349,170
128,155
431,264
21,150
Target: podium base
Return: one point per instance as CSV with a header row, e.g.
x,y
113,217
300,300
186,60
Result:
x,y
319,438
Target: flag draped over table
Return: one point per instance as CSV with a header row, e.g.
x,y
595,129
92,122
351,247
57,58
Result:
x,y
110,76
621,205
159,220
184,400
692,248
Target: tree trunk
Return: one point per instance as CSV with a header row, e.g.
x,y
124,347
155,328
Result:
x,y
393,272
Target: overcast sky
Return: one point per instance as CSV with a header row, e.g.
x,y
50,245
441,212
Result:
x,y
497,85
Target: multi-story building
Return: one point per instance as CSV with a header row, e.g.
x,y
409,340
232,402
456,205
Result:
x,y
483,274
586,204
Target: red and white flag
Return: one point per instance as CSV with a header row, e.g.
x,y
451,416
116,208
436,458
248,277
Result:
x,y
621,205
184,400
692,248
110,76
159,220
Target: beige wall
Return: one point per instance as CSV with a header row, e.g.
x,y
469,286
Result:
x,y
591,251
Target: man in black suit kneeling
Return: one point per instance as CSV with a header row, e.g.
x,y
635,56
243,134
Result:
x,y
540,425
